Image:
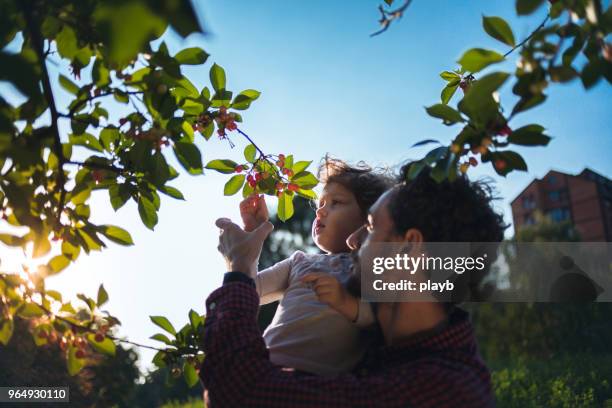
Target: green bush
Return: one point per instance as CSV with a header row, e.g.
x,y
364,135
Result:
x,y
572,381
190,403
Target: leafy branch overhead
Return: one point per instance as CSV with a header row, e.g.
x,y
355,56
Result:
x,y
569,44
56,152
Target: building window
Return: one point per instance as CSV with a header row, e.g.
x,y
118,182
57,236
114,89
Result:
x,y
554,195
552,180
528,203
529,220
559,214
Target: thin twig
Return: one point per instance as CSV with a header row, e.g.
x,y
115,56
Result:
x,y
529,36
388,16
252,142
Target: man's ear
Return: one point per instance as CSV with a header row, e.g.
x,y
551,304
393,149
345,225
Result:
x,y
414,237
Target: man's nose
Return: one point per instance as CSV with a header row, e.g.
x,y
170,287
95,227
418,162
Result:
x,y
320,212
355,240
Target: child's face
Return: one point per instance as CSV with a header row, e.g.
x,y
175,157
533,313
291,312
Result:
x,y
338,216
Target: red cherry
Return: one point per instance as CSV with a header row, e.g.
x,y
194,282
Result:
x,y
258,176
239,169
293,187
500,164
80,354
505,131
99,337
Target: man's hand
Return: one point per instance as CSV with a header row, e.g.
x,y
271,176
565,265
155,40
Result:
x,y
253,211
241,249
332,293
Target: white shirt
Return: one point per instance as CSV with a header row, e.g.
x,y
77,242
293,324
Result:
x,y
306,334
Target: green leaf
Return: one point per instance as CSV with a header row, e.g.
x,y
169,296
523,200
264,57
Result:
x,y
478,102
89,301
130,25
499,29
285,206
307,194
476,59
12,240
222,166
448,115
190,374
21,73
448,92
117,234
164,323
54,294
147,211
191,56
100,74
305,180
160,171
530,135
102,297
70,251
189,156
249,153
119,194
234,184
188,131
524,7
68,85
6,330
300,166
41,246
172,192
28,310
74,364
449,76
86,140
67,42
161,337
514,160
109,138
57,264
195,319
106,346
217,77
528,102
243,99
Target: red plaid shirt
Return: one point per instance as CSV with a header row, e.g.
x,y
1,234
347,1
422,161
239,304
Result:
x,y
442,370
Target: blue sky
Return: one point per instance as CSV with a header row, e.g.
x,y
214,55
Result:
x,y
327,87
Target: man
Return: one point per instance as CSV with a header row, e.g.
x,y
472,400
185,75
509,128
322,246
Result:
x,y
429,358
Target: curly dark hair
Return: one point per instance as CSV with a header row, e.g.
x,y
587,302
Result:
x,y
366,184
450,211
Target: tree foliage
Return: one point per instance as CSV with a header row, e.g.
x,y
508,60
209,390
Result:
x,y
56,152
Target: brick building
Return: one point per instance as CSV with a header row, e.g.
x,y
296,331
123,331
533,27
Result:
x,y
585,199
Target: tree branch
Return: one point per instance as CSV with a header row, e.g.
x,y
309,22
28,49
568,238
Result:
x,y
542,24
251,141
38,43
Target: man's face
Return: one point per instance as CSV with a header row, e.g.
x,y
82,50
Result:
x,y
378,228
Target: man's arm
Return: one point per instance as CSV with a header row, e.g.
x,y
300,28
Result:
x,y
237,371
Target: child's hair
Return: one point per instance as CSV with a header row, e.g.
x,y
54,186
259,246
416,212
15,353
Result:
x,y
366,184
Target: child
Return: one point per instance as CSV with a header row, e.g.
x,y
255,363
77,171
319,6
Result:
x,y
317,325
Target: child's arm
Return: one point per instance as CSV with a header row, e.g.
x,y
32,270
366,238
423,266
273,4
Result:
x,y
272,282
331,292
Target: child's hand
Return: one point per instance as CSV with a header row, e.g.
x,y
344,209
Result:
x,y
332,293
254,212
